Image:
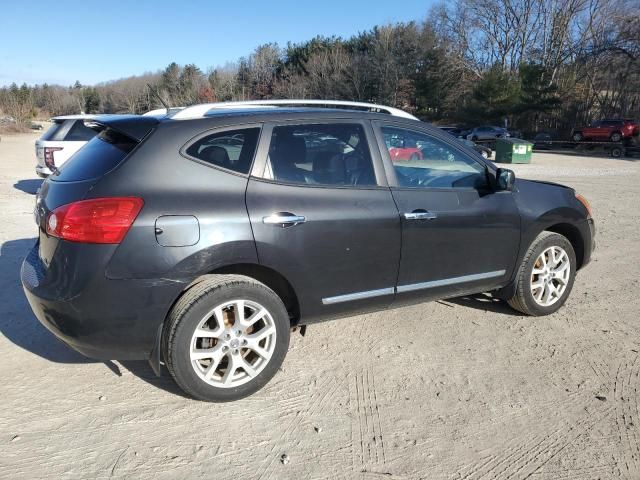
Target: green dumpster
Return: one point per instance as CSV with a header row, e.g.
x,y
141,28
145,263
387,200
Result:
x,y
513,150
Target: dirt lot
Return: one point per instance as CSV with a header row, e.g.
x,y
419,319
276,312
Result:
x,y
463,389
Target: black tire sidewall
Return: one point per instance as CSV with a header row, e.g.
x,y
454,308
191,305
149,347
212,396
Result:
x,y
527,296
614,136
577,137
180,343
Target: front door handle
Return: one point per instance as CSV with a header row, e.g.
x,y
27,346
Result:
x,y
420,215
284,219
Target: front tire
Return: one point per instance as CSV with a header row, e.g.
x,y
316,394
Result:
x,y
546,275
225,338
578,137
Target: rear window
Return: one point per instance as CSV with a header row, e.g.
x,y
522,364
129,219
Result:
x,y
99,156
80,133
55,132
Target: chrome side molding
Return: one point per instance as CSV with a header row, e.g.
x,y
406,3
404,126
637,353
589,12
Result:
x,y
349,297
358,296
449,281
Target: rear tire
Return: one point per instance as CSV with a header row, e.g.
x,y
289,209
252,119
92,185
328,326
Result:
x,y
615,137
577,137
212,351
544,290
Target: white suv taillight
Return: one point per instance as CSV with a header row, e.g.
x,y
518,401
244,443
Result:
x,y
48,156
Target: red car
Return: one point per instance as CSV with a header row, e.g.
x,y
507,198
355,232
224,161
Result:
x,y
402,148
400,154
606,130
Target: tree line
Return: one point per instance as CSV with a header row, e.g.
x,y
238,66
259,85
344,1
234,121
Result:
x,y
536,64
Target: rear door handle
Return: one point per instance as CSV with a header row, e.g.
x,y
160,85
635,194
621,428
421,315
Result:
x,y
284,219
420,215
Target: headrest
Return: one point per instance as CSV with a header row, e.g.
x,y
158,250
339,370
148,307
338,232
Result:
x,y
216,155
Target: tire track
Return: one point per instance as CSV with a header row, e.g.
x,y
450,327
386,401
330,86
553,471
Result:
x,y
327,389
368,447
626,411
525,459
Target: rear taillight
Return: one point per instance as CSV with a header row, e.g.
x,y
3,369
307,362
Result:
x,y
99,220
48,156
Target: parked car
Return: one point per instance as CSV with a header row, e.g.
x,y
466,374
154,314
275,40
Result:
x,y
613,130
483,150
487,133
64,138
402,147
542,141
36,126
163,240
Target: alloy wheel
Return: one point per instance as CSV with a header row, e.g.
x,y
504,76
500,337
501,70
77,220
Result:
x,y
550,276
233,343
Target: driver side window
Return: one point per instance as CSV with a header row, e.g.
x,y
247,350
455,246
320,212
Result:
x,y
422,161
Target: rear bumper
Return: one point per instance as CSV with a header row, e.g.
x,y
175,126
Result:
x,y
100,318
42,172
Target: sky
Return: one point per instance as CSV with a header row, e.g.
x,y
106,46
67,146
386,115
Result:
x,y
61,41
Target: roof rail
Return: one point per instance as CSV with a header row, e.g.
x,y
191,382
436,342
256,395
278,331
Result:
x,y
162,112
198,111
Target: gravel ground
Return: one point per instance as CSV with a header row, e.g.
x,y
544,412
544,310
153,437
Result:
x,y
462,389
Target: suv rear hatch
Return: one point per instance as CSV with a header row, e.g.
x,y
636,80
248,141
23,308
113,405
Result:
x,y
119,136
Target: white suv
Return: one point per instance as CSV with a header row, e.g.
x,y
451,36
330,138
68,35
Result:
x,y
64,138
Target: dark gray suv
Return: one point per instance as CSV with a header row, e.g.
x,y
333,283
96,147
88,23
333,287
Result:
x,y
198,243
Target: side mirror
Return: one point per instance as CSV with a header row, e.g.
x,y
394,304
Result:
x,y
505,179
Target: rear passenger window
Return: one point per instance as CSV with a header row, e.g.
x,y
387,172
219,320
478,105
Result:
x,y
231,149
80,133
320,154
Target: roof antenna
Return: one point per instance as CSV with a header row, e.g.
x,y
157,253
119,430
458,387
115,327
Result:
x,y
157,95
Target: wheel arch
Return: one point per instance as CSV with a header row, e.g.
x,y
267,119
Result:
x,y
271,278
268,276
567,230
573,234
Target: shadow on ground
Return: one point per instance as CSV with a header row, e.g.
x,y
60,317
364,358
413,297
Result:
x,y
20,326
29,186
484,302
